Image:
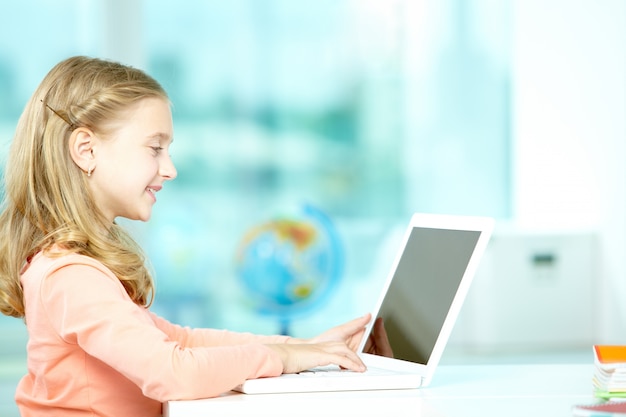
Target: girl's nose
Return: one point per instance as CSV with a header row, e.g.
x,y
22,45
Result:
x,y
167,169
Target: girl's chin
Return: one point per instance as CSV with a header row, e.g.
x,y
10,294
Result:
x,y
142,217
145,218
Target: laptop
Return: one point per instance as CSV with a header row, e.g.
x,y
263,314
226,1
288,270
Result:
x,y
419,303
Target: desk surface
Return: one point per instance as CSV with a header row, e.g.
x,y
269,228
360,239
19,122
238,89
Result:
x,y
463,391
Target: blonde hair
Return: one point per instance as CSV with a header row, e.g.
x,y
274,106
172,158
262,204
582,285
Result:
x,y
46,198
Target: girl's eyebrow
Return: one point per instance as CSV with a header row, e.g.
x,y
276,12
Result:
x,y
161,136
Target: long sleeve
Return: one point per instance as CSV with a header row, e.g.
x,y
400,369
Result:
x,y
196,337
90,345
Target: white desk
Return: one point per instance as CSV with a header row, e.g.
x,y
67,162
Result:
x,y
463,391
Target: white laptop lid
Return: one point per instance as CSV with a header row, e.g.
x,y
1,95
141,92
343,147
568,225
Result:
x,y
419,302
427,285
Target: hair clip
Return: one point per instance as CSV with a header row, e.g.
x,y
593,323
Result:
x,y
70,124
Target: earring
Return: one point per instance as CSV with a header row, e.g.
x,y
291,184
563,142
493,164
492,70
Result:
x,y
89,167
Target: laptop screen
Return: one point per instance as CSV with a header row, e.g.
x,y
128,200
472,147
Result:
x,y
423,287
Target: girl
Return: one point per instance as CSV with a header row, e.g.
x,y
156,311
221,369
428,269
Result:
x,y
92,145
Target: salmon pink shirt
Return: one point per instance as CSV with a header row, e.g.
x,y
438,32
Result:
x,y
93,352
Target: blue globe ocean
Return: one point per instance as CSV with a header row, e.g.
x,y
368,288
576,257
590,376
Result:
x,y
290,264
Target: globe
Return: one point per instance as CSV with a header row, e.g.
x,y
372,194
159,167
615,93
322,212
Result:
x,y
290,264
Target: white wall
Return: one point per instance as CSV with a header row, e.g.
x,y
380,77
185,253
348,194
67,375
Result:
x,y
570,132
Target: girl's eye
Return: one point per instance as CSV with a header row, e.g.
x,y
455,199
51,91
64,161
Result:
x,y
156,149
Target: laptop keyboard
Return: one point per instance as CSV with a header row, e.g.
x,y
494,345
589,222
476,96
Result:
x,y
333,370
324,371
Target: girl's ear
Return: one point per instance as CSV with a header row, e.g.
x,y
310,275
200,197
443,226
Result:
x,y
82,143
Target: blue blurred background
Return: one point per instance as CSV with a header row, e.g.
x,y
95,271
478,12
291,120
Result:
x,y
369,110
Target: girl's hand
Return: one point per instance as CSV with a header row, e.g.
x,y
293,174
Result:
x,y
301,356
335,346
349,333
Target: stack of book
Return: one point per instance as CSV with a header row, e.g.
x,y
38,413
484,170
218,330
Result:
x,y
604,409
609,378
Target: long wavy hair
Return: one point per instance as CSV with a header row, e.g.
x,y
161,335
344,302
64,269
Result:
x,y
46,201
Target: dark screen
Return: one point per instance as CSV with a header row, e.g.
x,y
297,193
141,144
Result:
x,y
425,283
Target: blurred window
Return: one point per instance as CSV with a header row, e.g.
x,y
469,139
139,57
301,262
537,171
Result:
x,y
367,109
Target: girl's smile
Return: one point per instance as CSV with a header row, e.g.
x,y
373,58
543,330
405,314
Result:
x,y
153,190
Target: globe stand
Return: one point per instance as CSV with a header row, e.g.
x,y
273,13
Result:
x,y
284,327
